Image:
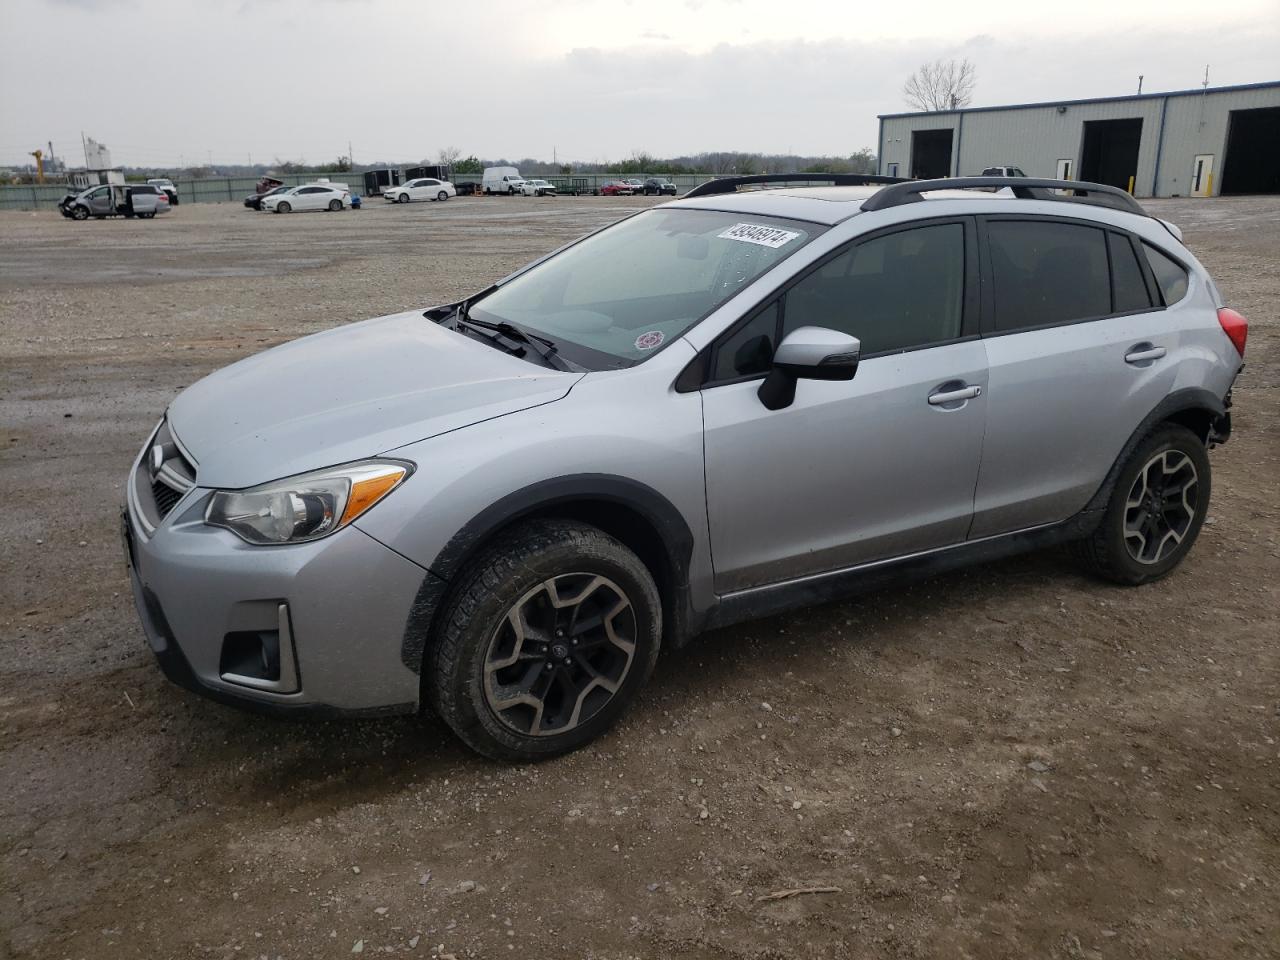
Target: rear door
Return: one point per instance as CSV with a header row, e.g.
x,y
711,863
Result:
x,y
1079,351
879,466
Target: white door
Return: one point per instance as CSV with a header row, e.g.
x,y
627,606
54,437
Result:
x,y
1063,170
1202,176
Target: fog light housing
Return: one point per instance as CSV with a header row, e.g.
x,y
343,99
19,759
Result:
x,y
262,659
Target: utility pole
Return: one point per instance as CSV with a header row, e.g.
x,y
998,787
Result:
x,y
351,159
86,149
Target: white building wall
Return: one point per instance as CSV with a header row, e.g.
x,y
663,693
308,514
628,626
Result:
x,y
1175,129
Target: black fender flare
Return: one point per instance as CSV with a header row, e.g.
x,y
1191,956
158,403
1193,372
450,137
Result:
x,y
1180,401
539,498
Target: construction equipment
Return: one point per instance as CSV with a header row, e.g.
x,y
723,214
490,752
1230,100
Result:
x,y
39,155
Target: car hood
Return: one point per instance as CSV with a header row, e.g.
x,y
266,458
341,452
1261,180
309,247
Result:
x,y
349,393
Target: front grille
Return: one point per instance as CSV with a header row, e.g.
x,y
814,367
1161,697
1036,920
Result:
x,y
163,477
166,497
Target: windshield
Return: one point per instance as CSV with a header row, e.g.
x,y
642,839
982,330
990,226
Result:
x,y
615,298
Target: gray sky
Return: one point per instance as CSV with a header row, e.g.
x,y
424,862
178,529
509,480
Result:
x,y
592,80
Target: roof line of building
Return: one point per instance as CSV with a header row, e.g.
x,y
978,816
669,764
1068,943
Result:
x,y
1199,91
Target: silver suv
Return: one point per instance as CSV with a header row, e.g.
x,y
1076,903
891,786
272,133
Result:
x,y
719,408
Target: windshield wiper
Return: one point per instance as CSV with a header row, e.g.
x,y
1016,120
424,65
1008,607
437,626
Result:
x,y
543,347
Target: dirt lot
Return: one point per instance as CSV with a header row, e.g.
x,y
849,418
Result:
x,y
1010,762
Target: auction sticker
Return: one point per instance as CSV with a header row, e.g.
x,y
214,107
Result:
x,y
755,233
647,341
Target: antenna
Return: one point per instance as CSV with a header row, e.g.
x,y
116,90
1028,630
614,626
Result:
x,y
1139,83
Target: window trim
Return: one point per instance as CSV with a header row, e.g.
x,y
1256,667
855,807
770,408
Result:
x,y
988,274
703,365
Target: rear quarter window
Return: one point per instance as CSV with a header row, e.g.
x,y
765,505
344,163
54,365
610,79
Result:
x,y
1171,276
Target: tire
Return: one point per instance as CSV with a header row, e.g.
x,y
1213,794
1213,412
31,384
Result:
x,y
335,205
442,196
283,207
403,198
550,571
488,192
1156,510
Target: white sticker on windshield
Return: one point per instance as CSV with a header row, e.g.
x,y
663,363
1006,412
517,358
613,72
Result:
x,y
647,341
754,233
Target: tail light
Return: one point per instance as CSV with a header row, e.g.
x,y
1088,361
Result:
x,y
1235,327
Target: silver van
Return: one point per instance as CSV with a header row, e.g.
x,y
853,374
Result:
x,y
142,200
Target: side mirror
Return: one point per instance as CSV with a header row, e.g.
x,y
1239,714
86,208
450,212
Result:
x,y
809,353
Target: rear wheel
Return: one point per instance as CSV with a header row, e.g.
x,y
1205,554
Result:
x,y
1156,509
335,205
283,207
548,637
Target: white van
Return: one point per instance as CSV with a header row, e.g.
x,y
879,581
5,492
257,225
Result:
x,y
502,180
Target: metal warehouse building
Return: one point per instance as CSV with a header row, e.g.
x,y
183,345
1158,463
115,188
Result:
x,y
1198,143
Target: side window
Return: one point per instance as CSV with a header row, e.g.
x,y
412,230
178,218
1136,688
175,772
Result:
x,y
749,349
1047,273
894,292
1171,278
1128,283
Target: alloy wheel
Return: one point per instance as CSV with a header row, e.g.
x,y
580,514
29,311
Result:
x,y
1161,506
560,654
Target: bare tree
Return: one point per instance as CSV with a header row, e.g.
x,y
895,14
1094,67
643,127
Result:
x,y
941,85
449,156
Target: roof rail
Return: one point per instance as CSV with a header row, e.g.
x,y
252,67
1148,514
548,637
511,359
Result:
x,y
731,184
1024,188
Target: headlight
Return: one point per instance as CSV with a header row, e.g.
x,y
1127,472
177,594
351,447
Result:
x,y
308,506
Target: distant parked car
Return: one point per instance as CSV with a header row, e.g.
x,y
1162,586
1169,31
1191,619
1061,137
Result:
x,y
254,201
115,200
502,180
427,188
309,196
656,186
538,188
637,185
1003,172
165,184
617,188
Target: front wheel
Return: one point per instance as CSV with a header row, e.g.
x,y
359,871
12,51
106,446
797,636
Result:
x,y
335,205
283,207
442,195
403,198
1156,510
79,213
547,639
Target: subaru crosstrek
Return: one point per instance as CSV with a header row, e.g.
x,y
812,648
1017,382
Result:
x,y
713,410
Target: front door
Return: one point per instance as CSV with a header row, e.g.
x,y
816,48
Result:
x,y
1202,176
1063,169
883,465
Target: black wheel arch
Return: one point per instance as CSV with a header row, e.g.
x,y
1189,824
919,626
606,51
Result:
x,y
1195,408
644,520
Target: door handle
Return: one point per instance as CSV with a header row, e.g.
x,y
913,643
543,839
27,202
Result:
x,y
1144,353
954,396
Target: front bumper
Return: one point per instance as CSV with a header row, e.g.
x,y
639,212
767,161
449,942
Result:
x,y
336,608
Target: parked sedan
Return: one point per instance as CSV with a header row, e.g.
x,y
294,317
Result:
x,y
657,187
617,188
254,202
311,196
636,185
425,188
538,188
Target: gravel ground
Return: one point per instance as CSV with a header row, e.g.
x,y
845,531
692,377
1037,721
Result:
x,y
1013,761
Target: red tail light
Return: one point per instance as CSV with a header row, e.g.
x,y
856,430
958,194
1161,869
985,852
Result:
x,y
1235,327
